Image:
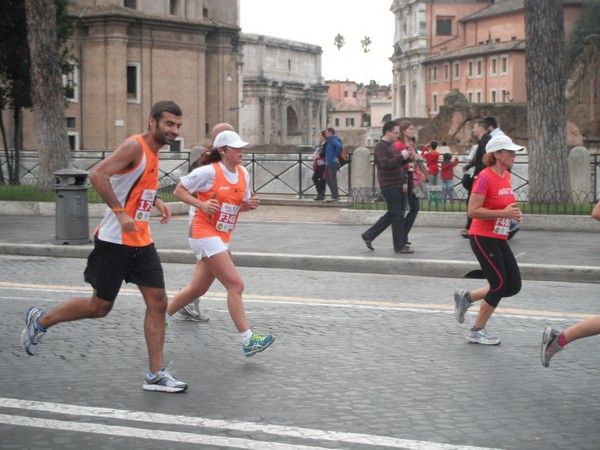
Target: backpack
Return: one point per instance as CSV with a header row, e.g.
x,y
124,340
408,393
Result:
x,y
343,158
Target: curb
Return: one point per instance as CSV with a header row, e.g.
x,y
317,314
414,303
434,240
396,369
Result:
x,y
392,266
541,222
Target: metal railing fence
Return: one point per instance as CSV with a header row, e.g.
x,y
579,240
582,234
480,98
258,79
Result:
x,y
289,175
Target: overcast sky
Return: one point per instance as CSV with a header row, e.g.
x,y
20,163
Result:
x,y
319,21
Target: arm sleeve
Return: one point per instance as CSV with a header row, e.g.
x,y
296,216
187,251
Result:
x,y
248,192
200,179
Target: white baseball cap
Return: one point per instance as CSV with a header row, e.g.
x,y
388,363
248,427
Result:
x,y
229,139
498,143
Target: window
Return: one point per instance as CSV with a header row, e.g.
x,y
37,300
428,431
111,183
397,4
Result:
x,y
133,83
130,4
73,137
70,83
434,101
479,66
446,71
494,67
470,68
493,98
349,121
457,70
478,96
354,94
337,122
289,65
505,95
433,74
173,7
470,96
504,65
177,145
71,122
443,27
345,94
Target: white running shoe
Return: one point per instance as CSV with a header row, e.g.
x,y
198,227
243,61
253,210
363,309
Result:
x,y
163,381
32,335
191,312
481,337
461,304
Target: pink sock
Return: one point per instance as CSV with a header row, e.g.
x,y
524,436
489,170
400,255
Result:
x,y
562,340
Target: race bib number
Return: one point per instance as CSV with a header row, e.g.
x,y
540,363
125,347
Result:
x,y
502,227
227,217
144,208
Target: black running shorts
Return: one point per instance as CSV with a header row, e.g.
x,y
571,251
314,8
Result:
x,y
109,264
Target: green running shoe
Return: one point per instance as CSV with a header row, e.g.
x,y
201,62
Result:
x,y
257,344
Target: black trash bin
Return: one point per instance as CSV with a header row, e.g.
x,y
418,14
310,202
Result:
x,y
72,221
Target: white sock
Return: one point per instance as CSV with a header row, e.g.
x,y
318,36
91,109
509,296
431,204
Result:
x,y
245,336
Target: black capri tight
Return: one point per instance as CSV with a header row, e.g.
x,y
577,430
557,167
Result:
x,y
499,267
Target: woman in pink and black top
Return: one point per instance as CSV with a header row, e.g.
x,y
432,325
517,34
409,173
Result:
x,y
492,206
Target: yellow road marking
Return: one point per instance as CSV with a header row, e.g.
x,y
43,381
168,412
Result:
x,y
324,301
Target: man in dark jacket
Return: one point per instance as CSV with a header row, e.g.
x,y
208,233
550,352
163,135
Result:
x,y
481,132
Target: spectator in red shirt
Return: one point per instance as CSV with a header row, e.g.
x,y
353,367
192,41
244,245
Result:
x,y
448,176
432,156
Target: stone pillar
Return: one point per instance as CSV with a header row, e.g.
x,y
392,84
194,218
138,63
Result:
x,y
309,136
283,122
580,176
267,125
361,168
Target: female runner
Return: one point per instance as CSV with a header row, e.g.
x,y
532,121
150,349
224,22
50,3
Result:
x,y
218,191
492,206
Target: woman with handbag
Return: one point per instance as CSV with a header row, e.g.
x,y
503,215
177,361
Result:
x,y
415,175
319,168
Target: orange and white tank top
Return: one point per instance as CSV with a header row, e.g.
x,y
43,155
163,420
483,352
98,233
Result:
x,y
230,197
136,190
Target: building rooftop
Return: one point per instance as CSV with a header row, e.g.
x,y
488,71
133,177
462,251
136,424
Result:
x,y
476,50
502,7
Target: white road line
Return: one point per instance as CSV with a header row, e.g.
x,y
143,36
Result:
x,y
248,427
150,434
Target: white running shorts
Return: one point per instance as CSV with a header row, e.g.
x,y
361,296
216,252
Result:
x,y
207,247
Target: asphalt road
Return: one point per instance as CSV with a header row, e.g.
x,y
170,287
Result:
x,y
361,361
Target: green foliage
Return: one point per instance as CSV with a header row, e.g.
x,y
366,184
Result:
x,y
14,56
15,65
588,25
30,193
460,206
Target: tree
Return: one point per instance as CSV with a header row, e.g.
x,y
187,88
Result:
x,y
14,81
339,41
588,25
47,92
546,109
366,42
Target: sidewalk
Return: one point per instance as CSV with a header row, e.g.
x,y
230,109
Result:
x,y
308,237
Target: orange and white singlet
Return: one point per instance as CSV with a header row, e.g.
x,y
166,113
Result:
x,y
229,189
136,190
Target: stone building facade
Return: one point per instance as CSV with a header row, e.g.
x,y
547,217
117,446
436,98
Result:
x,y
130,54
284,100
